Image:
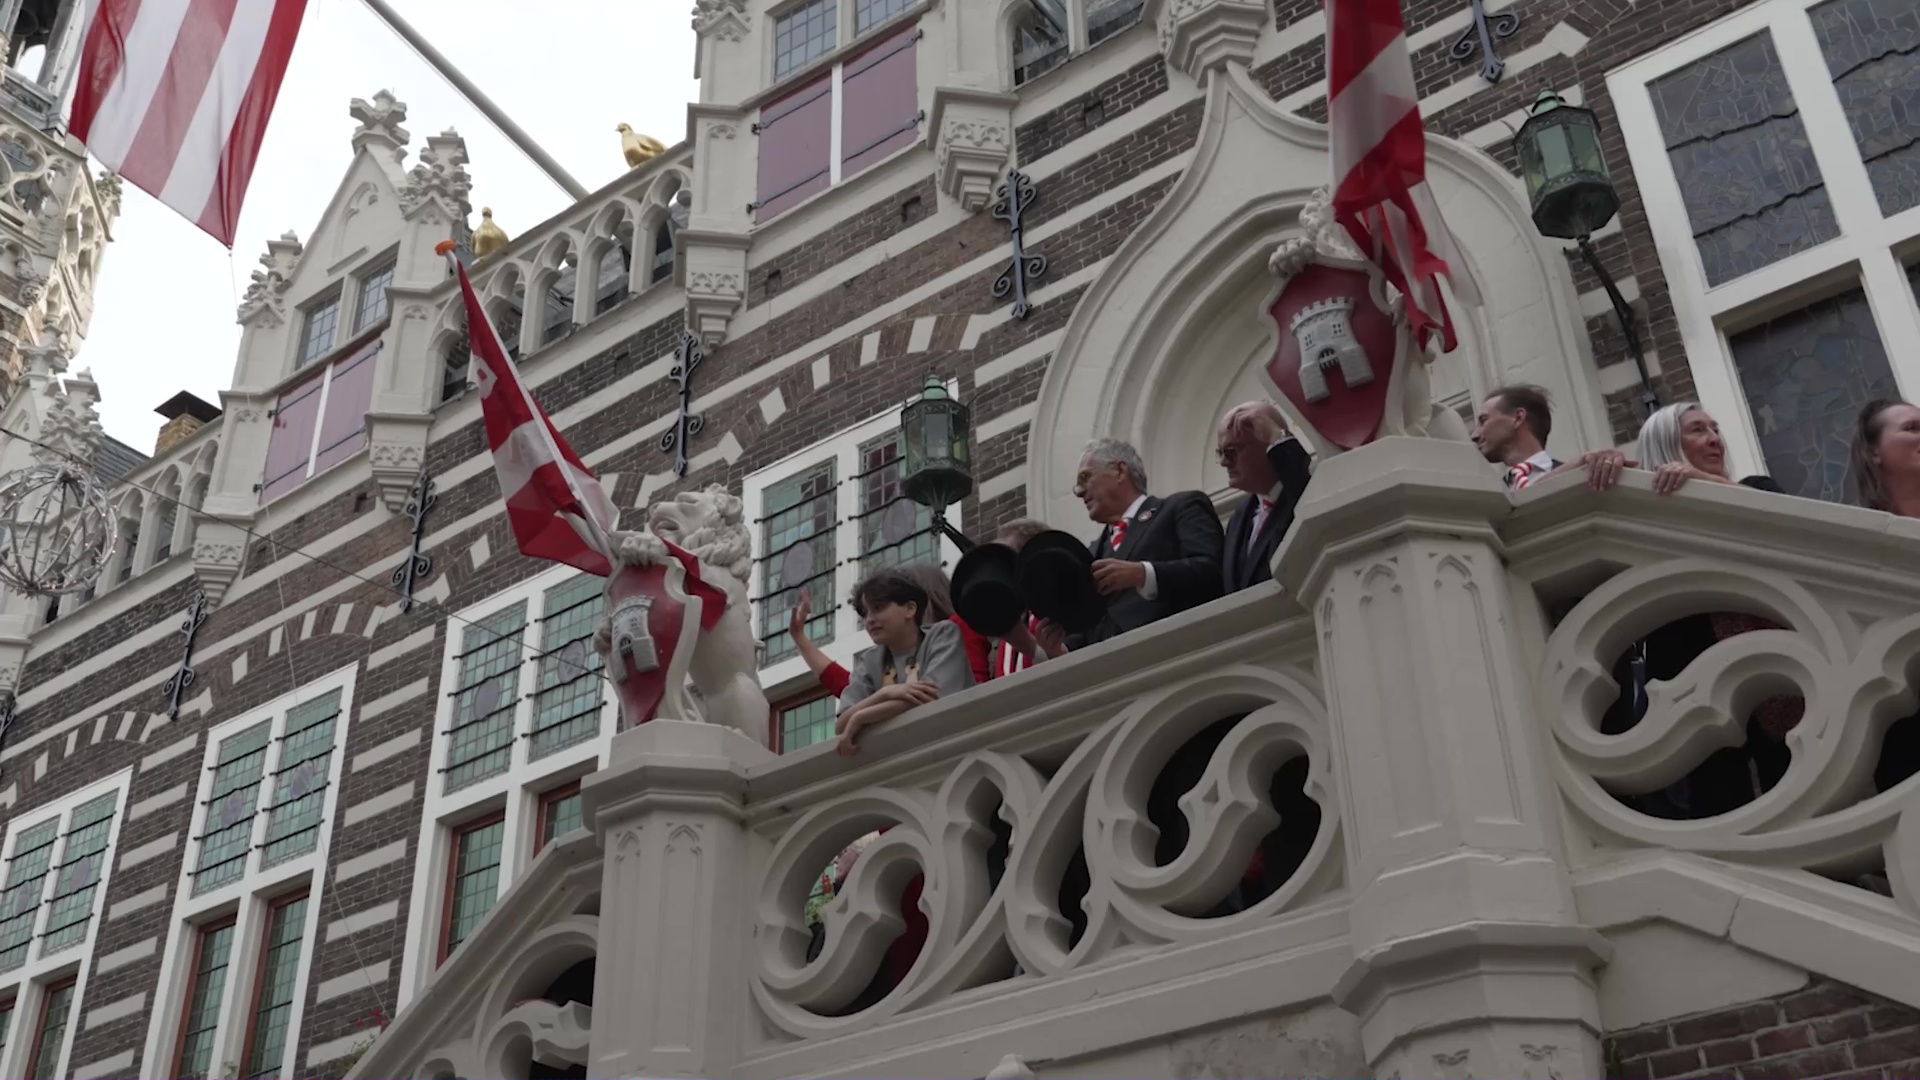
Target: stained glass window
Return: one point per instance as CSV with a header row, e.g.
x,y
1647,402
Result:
x,y
804,35
300,784
566,705
1740,153
485,700
235,798
1870,48
475,881
894,530
559,813
868,14
798,533
803,725
208,983
82,858
51,1039
1806,375
26,884
273,998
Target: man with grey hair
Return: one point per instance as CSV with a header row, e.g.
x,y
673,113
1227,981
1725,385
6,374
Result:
x,y
1264,460
1154,557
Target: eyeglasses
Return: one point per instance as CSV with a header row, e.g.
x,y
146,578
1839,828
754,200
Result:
x,y
1225,454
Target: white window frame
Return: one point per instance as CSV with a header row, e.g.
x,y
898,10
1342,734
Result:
x,y
516,791
249,898
337,296
28,983
849,637
389,261
1864,253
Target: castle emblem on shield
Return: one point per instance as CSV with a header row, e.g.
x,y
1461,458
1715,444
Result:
x,y
1324,333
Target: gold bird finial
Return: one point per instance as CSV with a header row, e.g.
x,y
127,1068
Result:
x,y
639,148
488,238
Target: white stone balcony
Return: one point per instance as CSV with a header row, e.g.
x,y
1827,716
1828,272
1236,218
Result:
x,y
1450,883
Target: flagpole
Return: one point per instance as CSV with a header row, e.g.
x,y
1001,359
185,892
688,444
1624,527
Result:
x,y
479,100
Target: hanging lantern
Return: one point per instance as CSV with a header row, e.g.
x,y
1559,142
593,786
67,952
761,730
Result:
x,y
936,448
56,531
1568,185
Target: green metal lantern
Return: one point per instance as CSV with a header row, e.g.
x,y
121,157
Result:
x,y
1568,185
936,448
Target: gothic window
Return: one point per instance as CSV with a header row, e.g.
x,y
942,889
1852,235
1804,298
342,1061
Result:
x,y
1776,161
453,369
802,724
50,1039
568,702
1806,375
1740,152
228,838
473,880
82,858
319,423
485,696
662,268
1105,18
207,983
560,814
300,781
612,285
27,867
1040,39
274,999
824,518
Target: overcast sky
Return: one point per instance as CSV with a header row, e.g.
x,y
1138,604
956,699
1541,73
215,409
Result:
x,y
566,70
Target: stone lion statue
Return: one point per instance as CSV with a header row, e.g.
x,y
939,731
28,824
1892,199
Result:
x,y
724,669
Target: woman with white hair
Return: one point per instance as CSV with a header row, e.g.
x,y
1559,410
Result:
x,y
1678,443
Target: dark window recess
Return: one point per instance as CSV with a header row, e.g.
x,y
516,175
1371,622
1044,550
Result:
x,y
796,148
611,288
662,253
1093,113
880,114
774,282
559,311
912,210
361,501
453,370
1105,18
1039,40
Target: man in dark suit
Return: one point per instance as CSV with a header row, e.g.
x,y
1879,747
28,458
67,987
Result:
x,y
1264,460
1154,557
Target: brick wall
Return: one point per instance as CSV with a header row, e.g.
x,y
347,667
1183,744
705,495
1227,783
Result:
x,y
1826,1030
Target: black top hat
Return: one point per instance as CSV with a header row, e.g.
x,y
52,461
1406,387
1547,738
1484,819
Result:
x,y
985,592
1056,578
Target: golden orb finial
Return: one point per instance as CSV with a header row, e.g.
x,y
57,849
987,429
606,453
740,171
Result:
x,y
639,149
488,238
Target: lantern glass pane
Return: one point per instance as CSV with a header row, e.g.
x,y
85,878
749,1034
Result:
x,y
937,433
1586,146
1555,153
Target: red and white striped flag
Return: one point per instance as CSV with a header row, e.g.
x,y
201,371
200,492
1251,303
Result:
x,y
1379,151
174,96
557,508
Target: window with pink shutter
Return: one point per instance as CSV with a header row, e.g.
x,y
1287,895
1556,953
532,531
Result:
x,y
320,423
343,425
290,446
796,148
880,111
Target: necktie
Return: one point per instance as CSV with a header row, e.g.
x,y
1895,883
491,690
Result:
x,y
1119,533
1259,522
1520,475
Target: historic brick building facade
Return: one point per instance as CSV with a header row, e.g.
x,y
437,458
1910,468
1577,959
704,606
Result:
x,y
254,874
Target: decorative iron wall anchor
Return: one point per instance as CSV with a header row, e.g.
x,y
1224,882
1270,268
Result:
x,y
676,440
182,680
418,564
1011,200
1485,30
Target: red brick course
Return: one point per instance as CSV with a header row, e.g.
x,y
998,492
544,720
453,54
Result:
x,y
1825,1030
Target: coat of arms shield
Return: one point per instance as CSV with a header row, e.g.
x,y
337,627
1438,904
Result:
x,y
1339,355
655,626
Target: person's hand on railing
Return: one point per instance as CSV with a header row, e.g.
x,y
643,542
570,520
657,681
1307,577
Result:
x,y
884,704
1603,467
1669,478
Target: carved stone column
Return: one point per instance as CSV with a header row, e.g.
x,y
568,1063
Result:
x,y
1469,957
675,914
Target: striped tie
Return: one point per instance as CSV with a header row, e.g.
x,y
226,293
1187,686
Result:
x,y
1119,533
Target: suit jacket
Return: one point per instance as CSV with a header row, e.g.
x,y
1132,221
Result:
x,y
1180,535
1249,559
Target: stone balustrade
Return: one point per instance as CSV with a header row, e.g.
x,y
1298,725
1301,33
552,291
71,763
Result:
x,y
1405,850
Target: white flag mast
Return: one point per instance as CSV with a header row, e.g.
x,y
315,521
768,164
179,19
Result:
x,y
480,101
